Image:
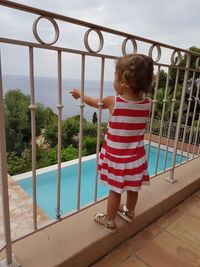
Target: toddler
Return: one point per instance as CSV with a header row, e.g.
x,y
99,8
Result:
x,y
122,161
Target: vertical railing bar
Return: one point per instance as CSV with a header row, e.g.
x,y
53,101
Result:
x,y
4,178
196,136
99,126
81,105
59,106
162,119
193,118
187,117
171,173
171,117
154,101
33,108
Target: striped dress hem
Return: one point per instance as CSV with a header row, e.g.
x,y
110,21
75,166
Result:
x,y
125,188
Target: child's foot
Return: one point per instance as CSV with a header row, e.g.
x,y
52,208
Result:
x,y
125,213
101,220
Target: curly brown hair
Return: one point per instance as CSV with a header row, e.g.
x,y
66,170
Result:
x,y
136,71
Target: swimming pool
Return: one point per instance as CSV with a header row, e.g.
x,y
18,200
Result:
x,y
47,184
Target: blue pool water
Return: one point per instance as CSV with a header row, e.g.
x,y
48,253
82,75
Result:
x,y
47,184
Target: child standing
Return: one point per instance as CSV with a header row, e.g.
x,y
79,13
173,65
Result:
x,y
122,163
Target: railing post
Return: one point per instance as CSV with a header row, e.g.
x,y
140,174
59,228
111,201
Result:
x,y
99,127
60,107
33,108
171,173
81,105
4,184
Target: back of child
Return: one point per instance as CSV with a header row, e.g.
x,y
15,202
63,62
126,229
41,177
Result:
x,y
122,163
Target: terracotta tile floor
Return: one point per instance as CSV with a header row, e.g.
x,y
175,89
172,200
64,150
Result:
x,y
171,241
21,216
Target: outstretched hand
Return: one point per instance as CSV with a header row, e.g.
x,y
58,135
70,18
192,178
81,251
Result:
x,y
75,93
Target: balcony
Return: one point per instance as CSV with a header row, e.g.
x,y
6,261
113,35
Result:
x,y
72,239
77,241
170,240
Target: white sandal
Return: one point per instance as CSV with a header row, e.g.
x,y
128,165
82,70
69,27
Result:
x,y
124,213
106,223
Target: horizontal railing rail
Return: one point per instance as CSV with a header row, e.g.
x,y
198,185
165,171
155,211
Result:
x,y
184,129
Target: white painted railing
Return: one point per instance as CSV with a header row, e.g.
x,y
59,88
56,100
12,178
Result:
x,y
170,130
185,131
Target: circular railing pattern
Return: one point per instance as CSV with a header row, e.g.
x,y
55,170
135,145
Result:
x,y
35,31
176,60
124,52
158,51
101,41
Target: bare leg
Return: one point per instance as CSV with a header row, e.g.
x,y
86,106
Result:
x,y
113,205
127,211
131,201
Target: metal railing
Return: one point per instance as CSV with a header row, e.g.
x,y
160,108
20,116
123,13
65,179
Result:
x,y
185,131
172,131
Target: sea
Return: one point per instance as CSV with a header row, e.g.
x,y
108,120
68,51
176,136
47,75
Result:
x,y
46,93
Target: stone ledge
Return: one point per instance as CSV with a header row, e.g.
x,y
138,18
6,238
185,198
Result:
x,y
77,241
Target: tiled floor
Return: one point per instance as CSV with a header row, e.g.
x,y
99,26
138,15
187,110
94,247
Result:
x,y
171,241
21,215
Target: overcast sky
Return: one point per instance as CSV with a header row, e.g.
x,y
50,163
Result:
x,y
175,22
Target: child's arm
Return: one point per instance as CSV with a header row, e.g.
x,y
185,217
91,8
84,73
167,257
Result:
x,y
108,101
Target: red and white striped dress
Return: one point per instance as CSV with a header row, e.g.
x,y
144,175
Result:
x,y
122,161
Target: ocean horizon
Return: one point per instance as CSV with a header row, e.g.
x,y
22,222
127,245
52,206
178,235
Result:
x,y
46,93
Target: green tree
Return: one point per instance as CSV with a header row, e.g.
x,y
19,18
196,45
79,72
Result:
x,y
168,107
70,130
89,129
17,121
53,156
90,144
172,79
44,117
51,134
69,153
162,79
94,118
182,63
180,82
17,165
